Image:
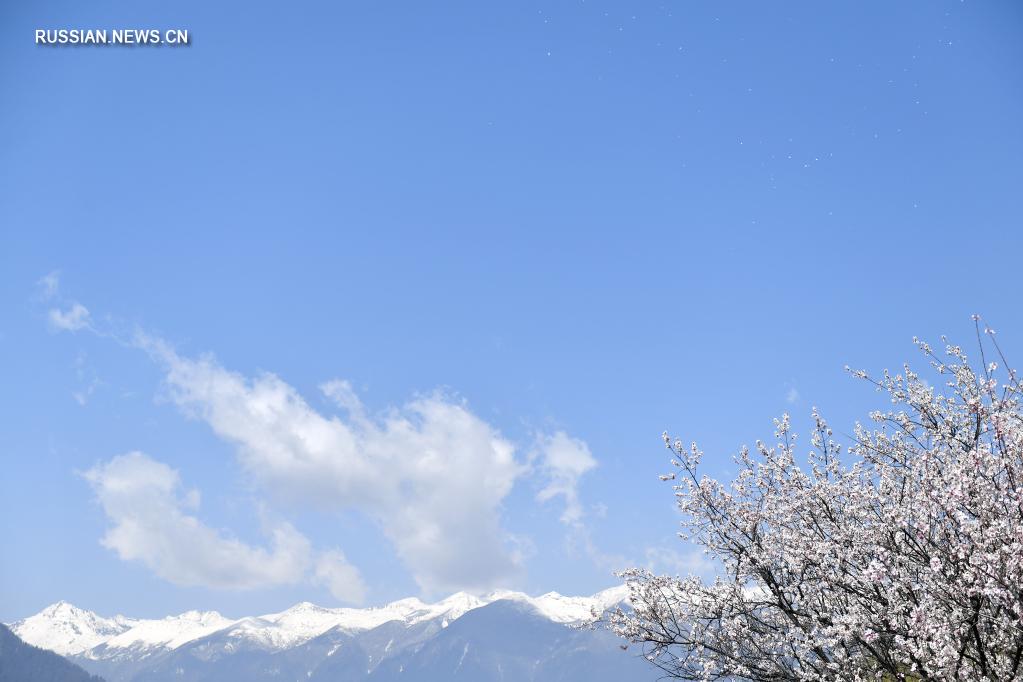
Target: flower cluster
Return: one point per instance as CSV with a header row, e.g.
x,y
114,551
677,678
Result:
x,y
899,557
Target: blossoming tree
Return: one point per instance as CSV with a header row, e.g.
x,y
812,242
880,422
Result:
x,y
899,557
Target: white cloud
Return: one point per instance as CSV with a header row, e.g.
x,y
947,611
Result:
x,y
341,392
431,473
564,460
82,397
151,524
49,285
792,396
87,380
74,318
340,577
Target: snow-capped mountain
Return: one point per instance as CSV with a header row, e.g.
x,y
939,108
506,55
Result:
x,y
146,638
568,610
66,629
311,642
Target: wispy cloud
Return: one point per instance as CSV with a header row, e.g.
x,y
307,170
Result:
x,y
88,382
563,460
72,319
72,316
48,285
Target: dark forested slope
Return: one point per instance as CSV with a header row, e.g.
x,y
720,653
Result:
x,y
20,662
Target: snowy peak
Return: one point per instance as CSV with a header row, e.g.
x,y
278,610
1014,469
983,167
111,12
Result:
x,y
289,628
612,596
304,607
567,610
66,629
305,621
166,633
62,610
451,608
61,607
408,604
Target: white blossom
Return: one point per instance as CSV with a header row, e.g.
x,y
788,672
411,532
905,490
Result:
x,y
899,557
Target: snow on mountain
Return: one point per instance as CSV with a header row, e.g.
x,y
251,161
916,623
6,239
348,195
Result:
x,y
166,633
68,630
286,629
305,621
567,610
451,608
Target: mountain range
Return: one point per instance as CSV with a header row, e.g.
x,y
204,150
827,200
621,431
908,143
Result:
x,y
502,636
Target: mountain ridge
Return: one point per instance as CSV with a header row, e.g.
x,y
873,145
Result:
x,y
71,631
483,637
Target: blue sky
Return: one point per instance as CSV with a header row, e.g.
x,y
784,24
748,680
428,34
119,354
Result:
x,y
529,237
